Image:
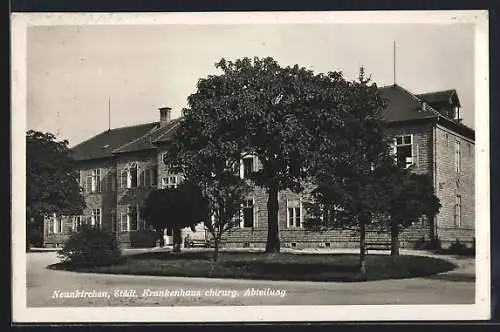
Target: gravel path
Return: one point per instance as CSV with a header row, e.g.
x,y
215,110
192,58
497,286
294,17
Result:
x,y
49,288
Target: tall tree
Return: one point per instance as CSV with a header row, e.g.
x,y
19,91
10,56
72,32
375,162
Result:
x,y
51,180
175,208
348,156
206,157
260,109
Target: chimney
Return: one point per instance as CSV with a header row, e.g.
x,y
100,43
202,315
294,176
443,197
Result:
x,y
164,115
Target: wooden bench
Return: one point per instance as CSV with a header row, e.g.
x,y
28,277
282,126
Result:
x,y
377,246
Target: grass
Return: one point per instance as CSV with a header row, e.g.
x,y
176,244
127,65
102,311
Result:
x,y
281,266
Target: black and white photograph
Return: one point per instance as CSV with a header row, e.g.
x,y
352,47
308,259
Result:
x,y
206,167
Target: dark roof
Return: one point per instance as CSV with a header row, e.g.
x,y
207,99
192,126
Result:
x,y
168,134
403,105
103,144
147,140
440,97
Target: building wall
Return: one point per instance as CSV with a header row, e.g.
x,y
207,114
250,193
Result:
x,y
105,198
433,152
450,183
143,237
422,136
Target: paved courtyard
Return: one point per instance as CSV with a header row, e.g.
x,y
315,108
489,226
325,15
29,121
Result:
x,y
50,288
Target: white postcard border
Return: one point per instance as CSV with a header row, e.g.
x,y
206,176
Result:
x,y
480,310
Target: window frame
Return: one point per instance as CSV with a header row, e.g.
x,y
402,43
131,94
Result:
x,y
458,211
168,184
403,144
294,207
96,217
129,215
242,213
96,180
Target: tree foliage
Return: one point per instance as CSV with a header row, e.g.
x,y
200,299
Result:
x,y
175,208
208,155
348,157
407,197
51,179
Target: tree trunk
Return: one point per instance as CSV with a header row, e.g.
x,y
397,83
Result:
x,y
273,241
215,254
177,238
362,247
394,238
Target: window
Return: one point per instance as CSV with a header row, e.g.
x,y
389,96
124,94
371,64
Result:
x,y
50,225
77,223
129,176
404,150
54,224
129,220
457,156
123,222
247,213
113,221
458,211
59,225
132,177
95,219
247,167
294,213
132,218
169,182
95,180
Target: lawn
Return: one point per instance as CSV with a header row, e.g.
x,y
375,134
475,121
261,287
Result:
x,y
281,266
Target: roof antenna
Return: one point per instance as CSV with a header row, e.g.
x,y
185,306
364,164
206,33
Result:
x,y
109,114
394,63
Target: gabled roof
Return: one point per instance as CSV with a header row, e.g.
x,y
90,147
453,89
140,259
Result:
x,y
402,105
103,144
147,141
440,97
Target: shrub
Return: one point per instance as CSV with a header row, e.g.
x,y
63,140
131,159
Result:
x,y
459,248
90,247
35,238
423,244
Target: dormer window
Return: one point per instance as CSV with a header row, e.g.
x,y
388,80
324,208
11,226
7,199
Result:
x,y
456,113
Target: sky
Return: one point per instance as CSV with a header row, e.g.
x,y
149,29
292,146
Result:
x,y
73,71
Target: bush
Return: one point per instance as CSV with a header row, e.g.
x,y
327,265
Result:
x,y
90,247
423,244
35,238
